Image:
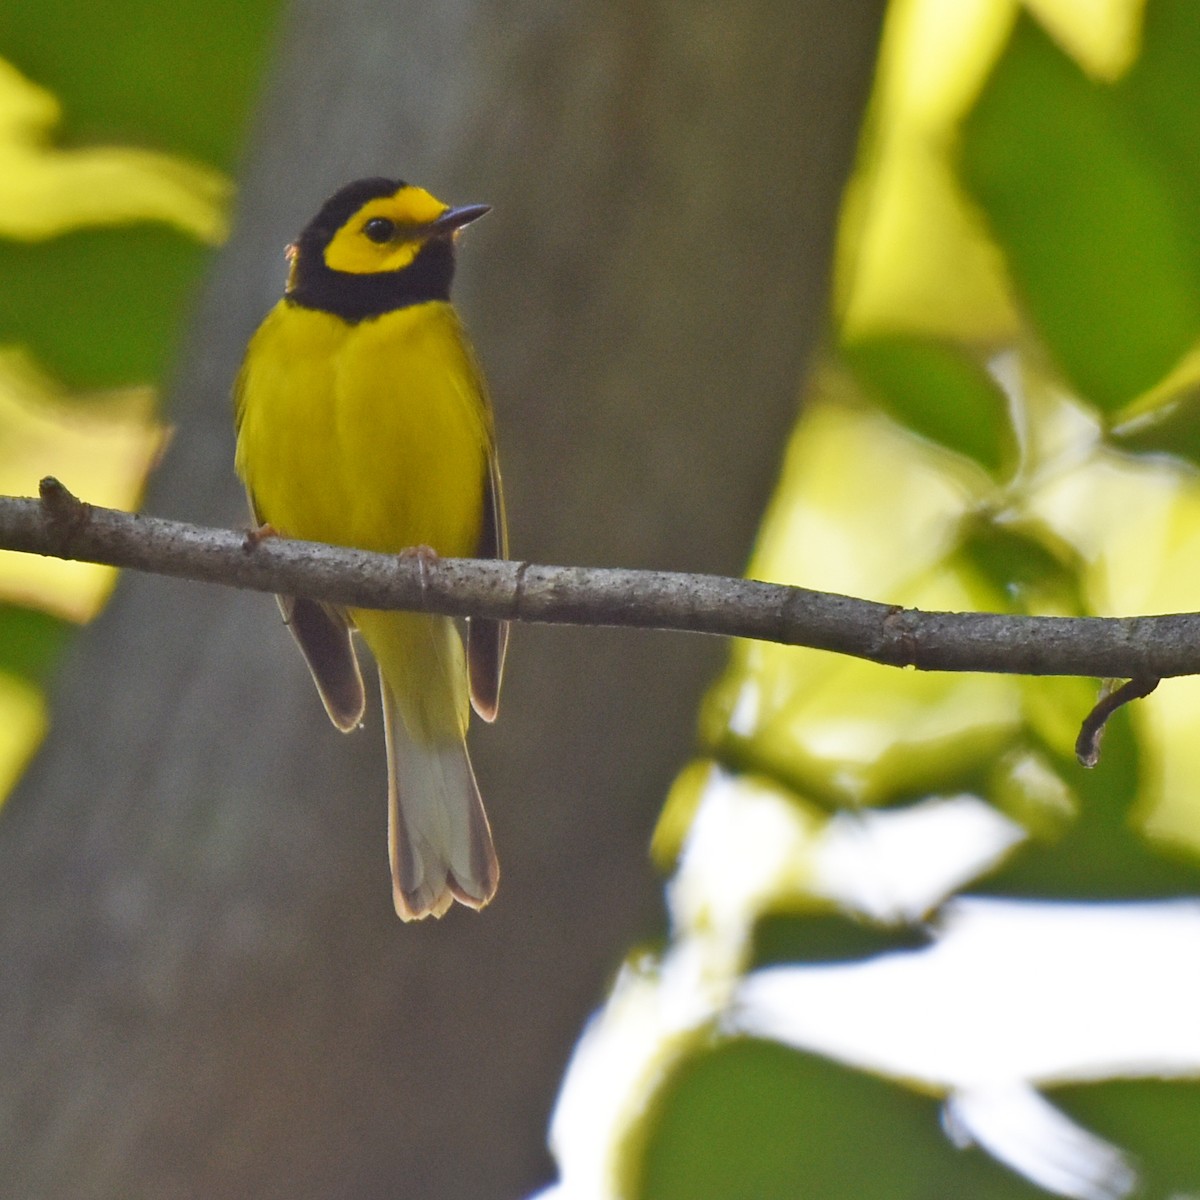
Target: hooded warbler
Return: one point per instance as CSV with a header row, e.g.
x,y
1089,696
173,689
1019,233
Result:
x,y
363,420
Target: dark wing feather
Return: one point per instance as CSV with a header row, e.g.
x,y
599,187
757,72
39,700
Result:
x,y
487,640
325,639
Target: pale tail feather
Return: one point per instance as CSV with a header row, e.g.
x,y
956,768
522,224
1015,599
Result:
x,y
439,840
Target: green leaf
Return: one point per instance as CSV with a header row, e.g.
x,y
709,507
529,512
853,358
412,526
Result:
x,y
30,641
1160,90
751,1120
1098,232
1028,565
1170,427
100,308
827,938
1101,855
939,392
179,77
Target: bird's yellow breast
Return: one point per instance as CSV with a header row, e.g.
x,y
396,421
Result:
x,y
374,434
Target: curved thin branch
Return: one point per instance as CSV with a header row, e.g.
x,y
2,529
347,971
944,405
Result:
x,y
1087,744
61,526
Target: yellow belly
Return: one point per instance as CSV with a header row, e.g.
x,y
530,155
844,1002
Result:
x,y
372,435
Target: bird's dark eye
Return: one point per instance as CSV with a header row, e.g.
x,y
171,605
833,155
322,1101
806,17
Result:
x,y
380,229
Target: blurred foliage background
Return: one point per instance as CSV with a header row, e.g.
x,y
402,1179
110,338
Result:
x,y
911,948
997,424
115,153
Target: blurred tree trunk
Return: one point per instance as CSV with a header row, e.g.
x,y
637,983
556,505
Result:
x,y
205,992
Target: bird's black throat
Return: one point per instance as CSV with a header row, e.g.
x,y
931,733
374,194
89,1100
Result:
x,y
356,297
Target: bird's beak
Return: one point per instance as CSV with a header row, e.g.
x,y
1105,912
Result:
x,y
453,219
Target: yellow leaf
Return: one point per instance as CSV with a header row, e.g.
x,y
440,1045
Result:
x,y
45,192
22,727
101,447
1102,36
913,254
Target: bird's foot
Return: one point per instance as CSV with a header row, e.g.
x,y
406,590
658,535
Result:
x,y
426,557
259,534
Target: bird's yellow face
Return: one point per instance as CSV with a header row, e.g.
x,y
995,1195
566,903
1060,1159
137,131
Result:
x,y
386,234
376,246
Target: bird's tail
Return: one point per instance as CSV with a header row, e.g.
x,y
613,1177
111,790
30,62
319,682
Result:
x,y
439,840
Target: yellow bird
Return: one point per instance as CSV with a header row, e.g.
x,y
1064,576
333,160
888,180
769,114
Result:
x,y
363,420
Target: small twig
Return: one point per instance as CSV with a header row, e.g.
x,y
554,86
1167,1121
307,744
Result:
x,y
1087,744
66,512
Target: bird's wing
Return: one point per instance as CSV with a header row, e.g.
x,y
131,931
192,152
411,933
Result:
x,y
324,635
487,639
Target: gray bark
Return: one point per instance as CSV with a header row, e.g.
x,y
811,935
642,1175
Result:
x,y
205,992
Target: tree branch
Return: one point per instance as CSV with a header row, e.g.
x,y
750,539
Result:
x,y
61,526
